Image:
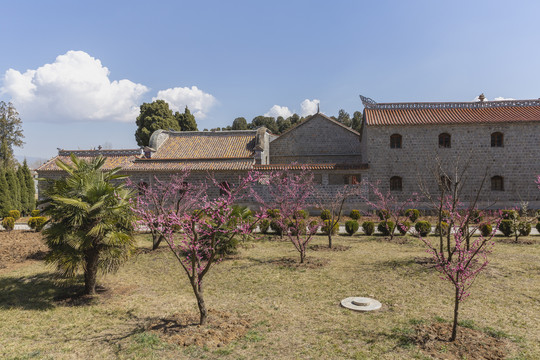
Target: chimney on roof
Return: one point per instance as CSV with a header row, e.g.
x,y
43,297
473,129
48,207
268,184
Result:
x,y
481,97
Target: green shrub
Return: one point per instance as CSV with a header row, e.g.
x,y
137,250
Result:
x,y
314,225
412,214
351,227
538,215
445,216
264,225
326,214
538,227
368,227
507,227
37,222
524,228
15,214
34,213
403,227
486,229
8,223
274,225
326,228
510,215
386,227
383,214
227,245
301,214
423,228
273,213
476,216
294,229
355,215
444,226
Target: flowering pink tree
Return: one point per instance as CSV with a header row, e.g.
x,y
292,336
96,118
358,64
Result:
x,y
197,226
291,193
462,262
390,206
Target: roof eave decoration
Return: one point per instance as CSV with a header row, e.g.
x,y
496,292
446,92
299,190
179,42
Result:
x,y
371,104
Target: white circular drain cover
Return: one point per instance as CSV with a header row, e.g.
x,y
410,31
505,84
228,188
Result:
x,y
360,304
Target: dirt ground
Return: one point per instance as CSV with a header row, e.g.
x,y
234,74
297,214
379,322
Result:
x,y
18,246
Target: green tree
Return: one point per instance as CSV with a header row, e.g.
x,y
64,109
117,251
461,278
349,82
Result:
x,y
154,116
267,121
11,133
186,121
13,188
356,122
23,191
30,187
90,226
344,118
239,123
5,198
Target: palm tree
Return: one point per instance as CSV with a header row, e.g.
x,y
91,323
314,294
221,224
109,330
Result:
x,y
91,223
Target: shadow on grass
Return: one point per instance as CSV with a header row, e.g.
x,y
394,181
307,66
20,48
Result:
x,y
37,292
416,264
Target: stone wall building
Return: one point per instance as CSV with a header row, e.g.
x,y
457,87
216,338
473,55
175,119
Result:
x,y
404,147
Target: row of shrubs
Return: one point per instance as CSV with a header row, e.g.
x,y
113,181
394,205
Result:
x,y
36,222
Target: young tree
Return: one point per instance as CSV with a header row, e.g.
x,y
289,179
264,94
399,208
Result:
x,y
203,230
462,264
91,223
356,122
239,123
291,193
154,116
186,121
11,133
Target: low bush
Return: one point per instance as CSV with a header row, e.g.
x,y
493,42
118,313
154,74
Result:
x,y
524,228
383,214
476,216
8,223
507,227
326,228
314,225
538,227
273,213
412,214
445,216
444,226
34,213
326,215
15,214
386,227
37,222
368,227
352,227
510,215
274,225
486,229
538,215
355,215
297,228
403,227
301,214
423,228
264,226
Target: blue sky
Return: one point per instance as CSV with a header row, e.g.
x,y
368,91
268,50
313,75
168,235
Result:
x,y
77,71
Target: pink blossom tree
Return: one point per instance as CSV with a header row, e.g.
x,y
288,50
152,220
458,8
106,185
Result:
x,y
463,262
291,192
195,225
390,206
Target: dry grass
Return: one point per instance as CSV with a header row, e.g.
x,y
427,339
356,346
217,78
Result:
x,y
294,311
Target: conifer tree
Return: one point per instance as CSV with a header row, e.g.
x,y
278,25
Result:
x,y
186,121
5,199
13,188
23,192
30,187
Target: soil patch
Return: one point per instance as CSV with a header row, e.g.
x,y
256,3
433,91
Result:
x,y
326,248
470,344
184,329
396,240
17,246
521,241
73,295
309,263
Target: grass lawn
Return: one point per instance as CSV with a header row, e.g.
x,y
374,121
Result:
x,y
294,312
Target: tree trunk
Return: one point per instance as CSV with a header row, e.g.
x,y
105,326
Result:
x,y
302,255
156,240
330,239
456,311
90,272
198,290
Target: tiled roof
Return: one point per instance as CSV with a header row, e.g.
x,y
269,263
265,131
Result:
x,y
207,145
324,117
452,113
272,167
194,165
113,158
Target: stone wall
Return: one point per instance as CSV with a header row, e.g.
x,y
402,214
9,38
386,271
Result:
x,y
517,161
316,141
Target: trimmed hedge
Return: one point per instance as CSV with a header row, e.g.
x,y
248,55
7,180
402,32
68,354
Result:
x,y
264,225
524,228
412,214
383,214
423,228
507,227
8,223
37,222
302,214
35,213
510,215
386,227
538,227
15,214
326,214
444,226
368,227
403,227
351,227
355,215
486,229
326,228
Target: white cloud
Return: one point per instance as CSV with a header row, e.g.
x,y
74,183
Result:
x,y
277,110
309,107
500,98
75,87
198,102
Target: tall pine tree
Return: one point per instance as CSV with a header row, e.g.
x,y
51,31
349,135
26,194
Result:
x,y
30,187
186,121
13,188
5,199
23,192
